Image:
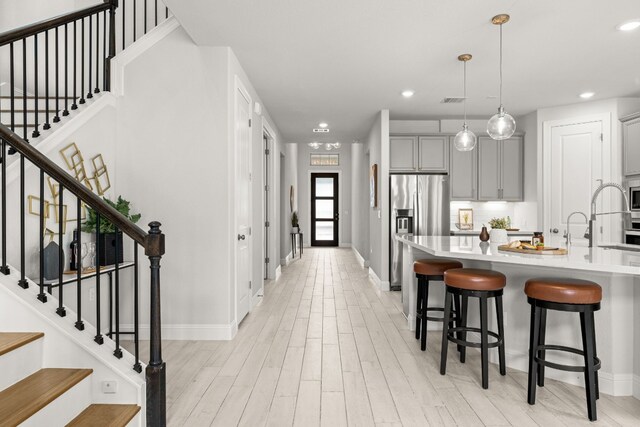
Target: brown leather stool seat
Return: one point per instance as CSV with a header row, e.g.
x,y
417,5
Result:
x,y
434,267
474,279
564,291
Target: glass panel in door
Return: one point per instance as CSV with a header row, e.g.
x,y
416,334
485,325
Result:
x,y
324,209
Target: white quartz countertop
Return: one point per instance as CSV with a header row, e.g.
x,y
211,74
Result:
x,y
579,257
477,233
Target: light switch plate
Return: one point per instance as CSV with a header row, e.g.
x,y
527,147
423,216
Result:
x,y
109,387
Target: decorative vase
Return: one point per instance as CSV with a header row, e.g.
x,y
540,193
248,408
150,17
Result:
x,y
51,255
107,244
484,235
499,235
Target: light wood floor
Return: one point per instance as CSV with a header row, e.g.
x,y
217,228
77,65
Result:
x,y
326,348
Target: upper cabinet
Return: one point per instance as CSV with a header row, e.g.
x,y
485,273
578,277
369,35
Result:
x,y
501,169
419,154
631,143
463,170
433,153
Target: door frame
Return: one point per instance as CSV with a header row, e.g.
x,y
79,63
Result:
x,y
337,172
274,200
544,180
239,87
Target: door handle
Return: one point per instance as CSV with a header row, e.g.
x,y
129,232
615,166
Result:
x,y
241,236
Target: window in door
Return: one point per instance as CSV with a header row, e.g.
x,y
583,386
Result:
x,y
324,209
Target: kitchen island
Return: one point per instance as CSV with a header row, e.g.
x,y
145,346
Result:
x,y
617,322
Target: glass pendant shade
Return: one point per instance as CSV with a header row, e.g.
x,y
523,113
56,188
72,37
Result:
x,y
465,140
501,126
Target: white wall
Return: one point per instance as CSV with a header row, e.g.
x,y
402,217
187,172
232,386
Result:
x,y
344,196
290,153
360,201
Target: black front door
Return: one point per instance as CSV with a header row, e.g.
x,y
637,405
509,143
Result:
x,y
324,209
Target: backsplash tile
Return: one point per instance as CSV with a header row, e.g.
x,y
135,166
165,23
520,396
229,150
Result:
x,y
484,211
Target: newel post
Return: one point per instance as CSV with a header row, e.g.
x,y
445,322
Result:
x,y
155,372
112,43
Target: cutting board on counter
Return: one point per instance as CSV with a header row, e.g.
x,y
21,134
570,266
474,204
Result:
x,y
545,251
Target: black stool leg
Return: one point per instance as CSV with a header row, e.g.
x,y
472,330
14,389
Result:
x,y
419,307
445,332
499,314
456,318
463,323
484,340
425,304
533,350
586,318
541,339
595,354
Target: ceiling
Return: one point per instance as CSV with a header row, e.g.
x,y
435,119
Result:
x,y
341,61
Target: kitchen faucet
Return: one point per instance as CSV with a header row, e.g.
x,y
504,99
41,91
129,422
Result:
x,y
567,233
594,214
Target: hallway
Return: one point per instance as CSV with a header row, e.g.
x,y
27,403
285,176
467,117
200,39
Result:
x,y
326,348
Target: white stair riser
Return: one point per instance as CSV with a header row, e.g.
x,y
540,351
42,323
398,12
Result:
x,y
20,363
63,409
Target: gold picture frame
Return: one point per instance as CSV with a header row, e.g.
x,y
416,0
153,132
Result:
x,y
100,175
34,206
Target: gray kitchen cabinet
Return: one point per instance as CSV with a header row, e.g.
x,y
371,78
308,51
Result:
x,y
403,153
501,169
463,174
631,144
433,153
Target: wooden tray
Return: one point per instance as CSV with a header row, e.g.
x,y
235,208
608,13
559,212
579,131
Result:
x,y
545,251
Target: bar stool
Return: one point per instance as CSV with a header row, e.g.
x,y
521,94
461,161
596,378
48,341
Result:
x,y
481,284
573,295
426,270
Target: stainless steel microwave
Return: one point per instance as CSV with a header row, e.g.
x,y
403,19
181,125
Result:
x,y
634,198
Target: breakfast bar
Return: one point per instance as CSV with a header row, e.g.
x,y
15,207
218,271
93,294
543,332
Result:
x,y
617,271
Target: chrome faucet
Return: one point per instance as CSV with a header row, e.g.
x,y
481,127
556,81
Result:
x,y
594,214
567,233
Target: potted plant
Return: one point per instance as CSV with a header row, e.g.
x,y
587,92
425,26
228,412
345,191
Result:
x,y
108,235
498,232
295,227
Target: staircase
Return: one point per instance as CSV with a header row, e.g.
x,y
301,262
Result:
x,y
35,396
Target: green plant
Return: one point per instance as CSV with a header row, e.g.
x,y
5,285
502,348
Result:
x,y
121,205
294,219
500,223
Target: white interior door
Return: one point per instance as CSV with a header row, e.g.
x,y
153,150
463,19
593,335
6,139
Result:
x,y
576,156
243,202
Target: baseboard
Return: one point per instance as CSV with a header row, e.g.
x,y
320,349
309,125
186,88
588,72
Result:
x,y
364,263
185,332
288,259
382,285
278,272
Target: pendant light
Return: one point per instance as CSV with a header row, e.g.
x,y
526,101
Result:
x,y
465,140
502,125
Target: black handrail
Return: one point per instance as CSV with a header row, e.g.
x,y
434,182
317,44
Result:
x,y
51,23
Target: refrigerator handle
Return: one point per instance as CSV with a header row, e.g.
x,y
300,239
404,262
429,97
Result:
x,y
415,214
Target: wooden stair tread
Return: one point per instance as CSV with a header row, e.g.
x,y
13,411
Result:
x,y
26,397
100,415
10,341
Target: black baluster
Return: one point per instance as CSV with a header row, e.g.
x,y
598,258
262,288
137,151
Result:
x,y
61,222
42,296
23,264
4,268
136,302
79,266
74,106
12,90
123,24
89,94
145,16
166,12
98,338
112,46
24,89
56,118
66,71
82,60
135,19
118,351
104,52
36,132
47,125
155,10
97,90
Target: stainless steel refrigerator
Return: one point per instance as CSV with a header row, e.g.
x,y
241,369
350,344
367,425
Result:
x,y
419,206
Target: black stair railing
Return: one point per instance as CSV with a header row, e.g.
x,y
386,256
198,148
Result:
x,y
78,48
72,194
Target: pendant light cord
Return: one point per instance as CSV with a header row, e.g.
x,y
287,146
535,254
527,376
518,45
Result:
x,y
500,65
465,92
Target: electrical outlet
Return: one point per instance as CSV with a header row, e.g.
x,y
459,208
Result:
x,y
92,294
109,387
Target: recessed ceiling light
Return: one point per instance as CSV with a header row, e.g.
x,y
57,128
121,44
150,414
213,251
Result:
x,y
629,25
586,95
408,93
323,125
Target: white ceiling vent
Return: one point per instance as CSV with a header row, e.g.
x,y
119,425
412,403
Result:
x,y
453,100
318,130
